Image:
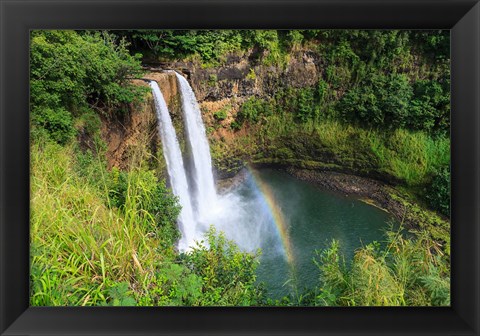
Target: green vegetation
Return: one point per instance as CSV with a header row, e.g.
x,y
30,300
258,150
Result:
x,y
438,193
101,236
112,242
253,109
409,157
209,45
72,73
221,114
407,272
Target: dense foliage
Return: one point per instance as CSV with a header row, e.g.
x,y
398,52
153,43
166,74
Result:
x,y
211,46
175,44
370,79
71,73
438,193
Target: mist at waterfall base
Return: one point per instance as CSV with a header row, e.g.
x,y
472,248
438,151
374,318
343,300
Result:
x,y
286,218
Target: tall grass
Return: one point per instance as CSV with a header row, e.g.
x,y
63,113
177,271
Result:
x,y
406,272
412,156
81,248
409,156
103,237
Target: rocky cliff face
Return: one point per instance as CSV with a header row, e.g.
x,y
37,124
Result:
x,y
222,88
243,76
138,127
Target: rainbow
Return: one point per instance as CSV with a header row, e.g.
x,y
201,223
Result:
x,y
269,200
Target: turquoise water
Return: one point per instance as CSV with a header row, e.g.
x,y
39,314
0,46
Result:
x,y
312,217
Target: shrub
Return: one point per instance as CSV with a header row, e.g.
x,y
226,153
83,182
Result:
x,y
58,123
379,101
430,107
235,125
120,295
220,115
294,37
438,193
72,69
173,285
89,122
253,109
70,72
434,42
228,274
305,105
210,45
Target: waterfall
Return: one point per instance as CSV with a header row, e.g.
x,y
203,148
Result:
x,y
176,170
205,195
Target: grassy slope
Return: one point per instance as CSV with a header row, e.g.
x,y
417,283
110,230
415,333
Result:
x,y
80,247
84,251
404,157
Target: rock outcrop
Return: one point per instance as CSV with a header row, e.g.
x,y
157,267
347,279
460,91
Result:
x,y
222,88
241,77
138,127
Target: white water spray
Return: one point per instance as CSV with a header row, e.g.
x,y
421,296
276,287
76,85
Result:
x,y
176,170
205,194
240,218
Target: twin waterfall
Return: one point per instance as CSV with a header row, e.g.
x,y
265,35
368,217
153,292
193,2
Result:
x,y
197,199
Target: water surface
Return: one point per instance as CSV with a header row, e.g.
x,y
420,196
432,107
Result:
x,y
282,215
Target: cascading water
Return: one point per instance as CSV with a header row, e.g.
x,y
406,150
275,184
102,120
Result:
x,y
242,219
176,170
229,212
205,195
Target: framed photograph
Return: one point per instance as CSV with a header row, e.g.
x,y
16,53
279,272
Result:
x,y
232,167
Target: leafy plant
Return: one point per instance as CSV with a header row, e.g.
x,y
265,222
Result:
x,y
71,72
438,193
253,109
58,123
228,274
379,101
402,272
220,115
120,295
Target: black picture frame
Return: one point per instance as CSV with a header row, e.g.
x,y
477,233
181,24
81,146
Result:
x,y
18,17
